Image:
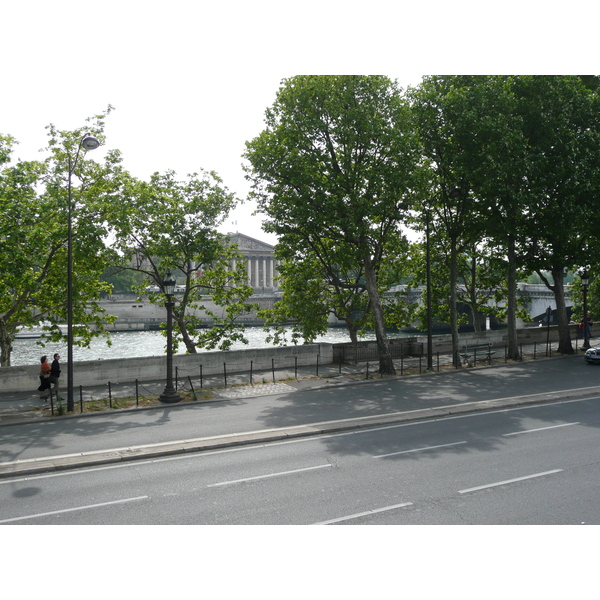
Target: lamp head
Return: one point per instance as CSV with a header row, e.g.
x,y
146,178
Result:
x,y
89,142
169,284
585,278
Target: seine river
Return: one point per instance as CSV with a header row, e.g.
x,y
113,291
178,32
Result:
x,y
148,343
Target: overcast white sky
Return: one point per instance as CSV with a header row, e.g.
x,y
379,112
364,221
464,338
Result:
x,y
190,81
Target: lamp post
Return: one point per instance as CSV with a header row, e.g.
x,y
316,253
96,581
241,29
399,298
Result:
x,y
429,309
585,280
169,395
87,142
548,314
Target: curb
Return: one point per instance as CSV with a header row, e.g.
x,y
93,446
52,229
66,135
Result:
x,y
105,457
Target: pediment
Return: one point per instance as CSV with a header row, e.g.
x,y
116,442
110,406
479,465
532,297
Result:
x,y
245,242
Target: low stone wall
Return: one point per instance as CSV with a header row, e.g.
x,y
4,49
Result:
x,y
497,337
153,368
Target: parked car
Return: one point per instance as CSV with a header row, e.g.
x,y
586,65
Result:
x,y
592,355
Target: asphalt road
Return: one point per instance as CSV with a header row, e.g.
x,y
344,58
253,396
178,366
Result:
x,y
534,465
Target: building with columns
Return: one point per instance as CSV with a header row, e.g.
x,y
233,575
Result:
x,y
260,262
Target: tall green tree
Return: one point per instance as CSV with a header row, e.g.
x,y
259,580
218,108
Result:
x,y
451,208
561,123
337,165
169,224
33,238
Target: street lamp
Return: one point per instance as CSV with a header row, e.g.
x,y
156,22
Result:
x,y
169,395
429,308
585,280
87,142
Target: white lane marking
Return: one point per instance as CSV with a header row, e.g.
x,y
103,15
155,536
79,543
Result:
x,y
364,514
490,485
66,510
418,449
269,475
539,429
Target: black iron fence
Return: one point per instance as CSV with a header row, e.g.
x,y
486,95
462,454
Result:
x,y
353,362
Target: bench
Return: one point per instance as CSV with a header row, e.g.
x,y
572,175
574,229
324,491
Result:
x,y
472,351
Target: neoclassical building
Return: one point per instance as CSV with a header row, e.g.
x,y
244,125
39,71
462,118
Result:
x,y
260,262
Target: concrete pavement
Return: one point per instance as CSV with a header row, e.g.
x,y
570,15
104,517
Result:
x,y
425,410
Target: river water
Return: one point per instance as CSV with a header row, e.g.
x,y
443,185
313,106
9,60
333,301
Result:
x,y
129,344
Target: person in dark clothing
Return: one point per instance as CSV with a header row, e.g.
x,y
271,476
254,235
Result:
x,y
55,371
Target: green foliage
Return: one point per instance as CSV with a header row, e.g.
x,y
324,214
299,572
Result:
x,y
169,225
335,170
33,236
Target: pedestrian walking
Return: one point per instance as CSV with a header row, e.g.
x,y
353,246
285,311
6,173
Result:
x,y
45,369
55,372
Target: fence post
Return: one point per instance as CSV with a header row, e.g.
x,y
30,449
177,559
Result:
x,y
80,399
251,378
402,365
367,369
201,380
176,376
438,360
318,365
296,367
137,395
225,373
273,368
474,357
534,350
191,386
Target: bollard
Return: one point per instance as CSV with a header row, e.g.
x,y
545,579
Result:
x,y
109,395
273,368
191,386
201,380
317,365
81,399
438,361
137,396
251,381
296,367
367,369
225,373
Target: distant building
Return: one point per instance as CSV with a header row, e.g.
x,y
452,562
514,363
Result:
x,y
260,262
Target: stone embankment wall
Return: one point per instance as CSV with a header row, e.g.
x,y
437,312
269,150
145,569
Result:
x,y
154,368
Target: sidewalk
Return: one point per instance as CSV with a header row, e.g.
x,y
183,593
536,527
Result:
x,y
26,405
425,410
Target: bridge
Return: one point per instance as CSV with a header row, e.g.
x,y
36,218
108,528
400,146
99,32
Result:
x,y
537,297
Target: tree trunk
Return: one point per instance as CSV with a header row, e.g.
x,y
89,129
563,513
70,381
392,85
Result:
x,y
386,363
564,336
190,345
5,345
352,331
511,312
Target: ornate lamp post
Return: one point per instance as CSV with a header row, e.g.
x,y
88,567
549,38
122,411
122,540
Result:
x,y
585,280
169,395
88,142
